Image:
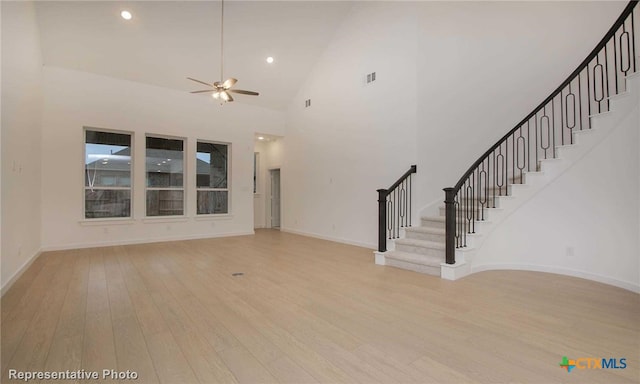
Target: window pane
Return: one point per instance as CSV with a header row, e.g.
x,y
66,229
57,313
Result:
x,y
105,203
165,203
164,162
212,202
107,159
211,169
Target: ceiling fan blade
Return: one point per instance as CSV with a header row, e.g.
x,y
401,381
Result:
x,y
251,93
207,90
229,83
224,95
198,81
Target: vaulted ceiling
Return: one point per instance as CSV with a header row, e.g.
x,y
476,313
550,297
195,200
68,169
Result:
x,y
166,41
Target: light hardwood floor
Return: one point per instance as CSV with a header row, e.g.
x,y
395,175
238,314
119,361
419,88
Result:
x,y
306,311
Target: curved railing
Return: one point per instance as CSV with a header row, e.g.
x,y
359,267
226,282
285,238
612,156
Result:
x,y
584,93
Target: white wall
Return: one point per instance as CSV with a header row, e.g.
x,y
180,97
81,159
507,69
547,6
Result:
x,y
355,138
585,223
74,100
21,149
483,66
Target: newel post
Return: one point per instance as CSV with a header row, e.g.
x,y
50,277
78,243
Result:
x,y
382,220
450,225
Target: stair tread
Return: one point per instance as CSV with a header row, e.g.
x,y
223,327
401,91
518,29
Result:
x,y
471,206
421,243
480,221
415,258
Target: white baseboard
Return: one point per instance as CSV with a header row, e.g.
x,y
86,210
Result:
x,y
330,238
141,241
6,286
629,286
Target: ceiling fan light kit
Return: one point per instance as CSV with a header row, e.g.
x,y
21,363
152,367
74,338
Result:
x,y
220,89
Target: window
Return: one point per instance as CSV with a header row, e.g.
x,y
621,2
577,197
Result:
x,y
165,180
107,179
212,171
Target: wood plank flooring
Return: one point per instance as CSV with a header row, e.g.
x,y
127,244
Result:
x,y
306,311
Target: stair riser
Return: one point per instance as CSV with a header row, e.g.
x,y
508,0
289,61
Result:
x,y
491,192
420,250
428,270
476,211
432,224
425,236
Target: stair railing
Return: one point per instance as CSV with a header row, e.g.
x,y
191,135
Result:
x,y
394,209
585,92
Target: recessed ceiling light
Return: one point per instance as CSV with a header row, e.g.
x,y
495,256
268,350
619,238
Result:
x,y
126,15
269,59
260,138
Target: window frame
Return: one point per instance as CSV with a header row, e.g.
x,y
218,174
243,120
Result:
x,y
184,174
211,189
130,188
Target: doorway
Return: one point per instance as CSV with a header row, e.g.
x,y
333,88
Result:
x,y
275,198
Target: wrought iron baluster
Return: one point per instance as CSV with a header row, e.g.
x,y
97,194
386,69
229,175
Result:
x,y
561,121
595,95
395,218
633,42
615,60
589,97
579,101
390,216
535,117
606,66
553,125
410,223
573,107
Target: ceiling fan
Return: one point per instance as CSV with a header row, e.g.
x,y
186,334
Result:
x,y
221,89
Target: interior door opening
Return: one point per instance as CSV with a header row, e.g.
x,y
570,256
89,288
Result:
x,y
275,198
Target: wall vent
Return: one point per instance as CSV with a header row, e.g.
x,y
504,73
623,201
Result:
x,y
371,77
307,103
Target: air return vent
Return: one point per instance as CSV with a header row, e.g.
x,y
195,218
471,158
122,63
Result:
x,y
307,103
371,77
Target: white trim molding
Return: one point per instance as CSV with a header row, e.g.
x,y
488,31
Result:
x,y
6,286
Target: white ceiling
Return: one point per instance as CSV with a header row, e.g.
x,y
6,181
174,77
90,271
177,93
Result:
x,y
166,41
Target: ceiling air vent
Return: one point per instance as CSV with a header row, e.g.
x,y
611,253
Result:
x,y
371,77
307,103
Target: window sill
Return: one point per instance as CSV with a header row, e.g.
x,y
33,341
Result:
x,y
107,221
223,216
165,219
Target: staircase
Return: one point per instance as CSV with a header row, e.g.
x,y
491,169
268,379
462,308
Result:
x,y
517,167
423,248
